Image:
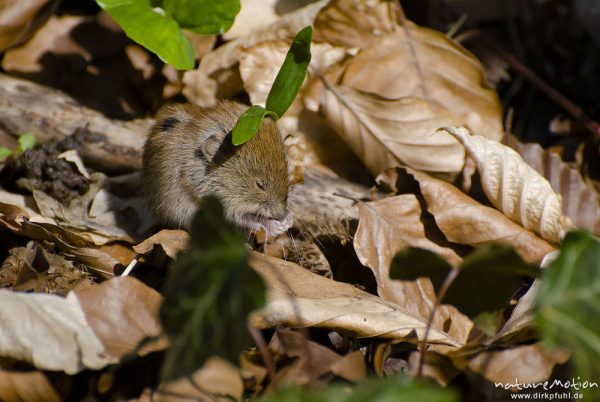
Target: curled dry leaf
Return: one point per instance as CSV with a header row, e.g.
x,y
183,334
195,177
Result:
x,y
580,202
465,221
217,76
513,186
529,364
49,332
171,241
519,326
299,298
26,386
385,227
216,380
123,312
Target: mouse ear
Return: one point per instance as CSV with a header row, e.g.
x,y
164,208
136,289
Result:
x,y
216,148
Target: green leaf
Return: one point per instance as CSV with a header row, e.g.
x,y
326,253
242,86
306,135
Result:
x,y
203,17
568,304
488,277
156,32
4,153
291,74
248,124
26,142
208,295
390,389
411,263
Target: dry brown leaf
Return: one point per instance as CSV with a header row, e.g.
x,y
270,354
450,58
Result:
x,y
50,332
171,241
528,364
392,132
18,386
438,81
217,76
519,326
216,381
580,202
387,226
311,360
465,221
299,298
122,312
19,19
513,186
353,23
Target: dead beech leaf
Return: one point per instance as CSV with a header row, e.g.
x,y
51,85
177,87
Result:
x,y
17,386
465,221
216,380
50,332
519,326
19,19
529,364
299,298
513,186
122,312
352,23
385,133
580,202
387,226
217,76
171,241
311,360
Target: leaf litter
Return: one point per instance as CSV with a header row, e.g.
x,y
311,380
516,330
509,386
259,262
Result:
x,y
385,89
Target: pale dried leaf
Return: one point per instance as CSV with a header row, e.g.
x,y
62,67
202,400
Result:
x,y
72,156
513,186
49,332
392,132
17,386
465,221
528,364
122,312
217,76
299,298
171,241
217,380
580,202
519,326
353,23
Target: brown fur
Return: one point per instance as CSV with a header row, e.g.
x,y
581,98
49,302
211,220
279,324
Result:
x,y
191,157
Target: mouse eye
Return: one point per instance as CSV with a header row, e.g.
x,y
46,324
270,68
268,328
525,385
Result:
x,y
260,184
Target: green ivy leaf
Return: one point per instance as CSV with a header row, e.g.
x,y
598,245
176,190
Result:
x,y
26,142
568,304
248,124
291,74
488,277
4,153
208,295
203,17
411,263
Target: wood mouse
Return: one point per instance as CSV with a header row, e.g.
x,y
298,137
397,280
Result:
x,y
189,155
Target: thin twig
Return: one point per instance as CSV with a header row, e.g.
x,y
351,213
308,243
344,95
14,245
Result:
x,y
264,351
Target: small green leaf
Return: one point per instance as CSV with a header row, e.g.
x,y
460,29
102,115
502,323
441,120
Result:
x,y
291,74
248,124
26,142
4,153
411,263
488,277
203,17
208,295
156,32
568,304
